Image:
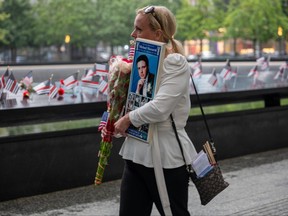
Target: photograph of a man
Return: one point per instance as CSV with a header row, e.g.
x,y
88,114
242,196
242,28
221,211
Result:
x,y
146,82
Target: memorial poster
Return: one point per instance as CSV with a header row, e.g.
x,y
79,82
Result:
x,y
144,81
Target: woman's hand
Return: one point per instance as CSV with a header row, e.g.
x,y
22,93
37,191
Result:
x,y
104,132
122,125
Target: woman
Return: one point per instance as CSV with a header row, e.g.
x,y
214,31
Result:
x,y
146,81
139,188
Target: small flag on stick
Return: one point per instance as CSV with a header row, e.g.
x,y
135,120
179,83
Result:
x,y
103,87
4,77
131,50
284,65
213,78
92,83
71,81
254,73
101,69
12,84
53,91
280,74
197,69
263,62
43,88
28,79
226,71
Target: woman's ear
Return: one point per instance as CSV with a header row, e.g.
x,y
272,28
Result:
x,y
159,35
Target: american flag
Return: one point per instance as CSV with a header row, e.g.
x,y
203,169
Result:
x,y
53,91
4,77
92,83
131,52
284,65
213,78
226,71
253,72
197,72
1,84
101,69
196,69
196,64
43,88
263,62
103,87
71,81
28,79
12,84
88,75
280,74
103,121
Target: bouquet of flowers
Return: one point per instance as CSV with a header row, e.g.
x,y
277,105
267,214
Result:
x,y
28,90
26,84
118,83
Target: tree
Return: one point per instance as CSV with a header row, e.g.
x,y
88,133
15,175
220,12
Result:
x,y
255,20
172,5
56,19
196,21
285,6
3,32
117,19
18,25
87,22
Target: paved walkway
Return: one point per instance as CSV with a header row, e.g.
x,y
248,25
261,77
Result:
x,y
258,186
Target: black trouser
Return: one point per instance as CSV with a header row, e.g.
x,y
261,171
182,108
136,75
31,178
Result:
x,y
139,190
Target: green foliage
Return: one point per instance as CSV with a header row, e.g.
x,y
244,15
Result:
x,y
3,17
116,20
18,24
173,5
200,20
193,21
255,20
284,4
46,22
55,19
88,22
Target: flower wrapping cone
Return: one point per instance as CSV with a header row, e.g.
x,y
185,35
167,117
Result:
x,y
119,77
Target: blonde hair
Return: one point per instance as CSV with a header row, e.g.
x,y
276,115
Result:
x,y
165,21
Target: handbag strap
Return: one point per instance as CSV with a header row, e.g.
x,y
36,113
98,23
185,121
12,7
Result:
x,y
177,137
189,168
211,141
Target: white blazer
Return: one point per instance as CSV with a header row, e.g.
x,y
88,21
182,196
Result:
x,y
173,97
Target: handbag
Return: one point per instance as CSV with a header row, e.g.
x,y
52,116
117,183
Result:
x,y
212,183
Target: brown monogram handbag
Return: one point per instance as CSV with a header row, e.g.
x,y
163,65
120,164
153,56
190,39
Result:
x,y
210,185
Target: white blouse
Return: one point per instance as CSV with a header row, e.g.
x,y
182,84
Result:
x,y
173,97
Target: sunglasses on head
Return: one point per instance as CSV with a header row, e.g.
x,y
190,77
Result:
x,y
151,10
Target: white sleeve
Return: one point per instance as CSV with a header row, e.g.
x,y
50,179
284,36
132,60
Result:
x,y
172,87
